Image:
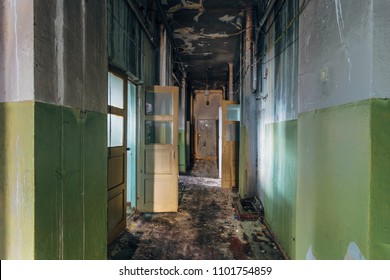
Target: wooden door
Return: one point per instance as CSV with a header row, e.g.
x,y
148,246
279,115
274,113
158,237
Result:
x,y
230,143
158,170
207,139
116,129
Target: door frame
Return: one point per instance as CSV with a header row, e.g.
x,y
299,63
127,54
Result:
x,y
112,191
230,150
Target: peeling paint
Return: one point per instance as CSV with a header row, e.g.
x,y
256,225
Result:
x,y
309,254
227,18
196,18
230,20
353,252
188,36
186,5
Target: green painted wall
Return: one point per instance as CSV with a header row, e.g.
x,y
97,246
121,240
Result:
x,y
333,192
182,151
279,191
53,177
242,177
70,183
380,180
17,180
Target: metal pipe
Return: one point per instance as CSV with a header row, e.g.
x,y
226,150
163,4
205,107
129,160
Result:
x,y
163,56
176,79
141,21
169,32
267,12
230,81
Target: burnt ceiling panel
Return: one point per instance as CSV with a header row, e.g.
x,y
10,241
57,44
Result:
x,y
207,33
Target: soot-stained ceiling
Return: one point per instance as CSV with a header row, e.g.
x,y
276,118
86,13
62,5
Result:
x,y
207,34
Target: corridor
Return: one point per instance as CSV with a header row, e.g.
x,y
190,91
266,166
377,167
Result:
x,y
206,227
155,129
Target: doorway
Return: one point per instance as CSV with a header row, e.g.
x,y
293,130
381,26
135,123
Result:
x,y
207,139
116,161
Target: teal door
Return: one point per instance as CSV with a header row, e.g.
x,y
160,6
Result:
x,y
131,144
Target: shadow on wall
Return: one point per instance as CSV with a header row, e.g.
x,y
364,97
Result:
x,y
3,178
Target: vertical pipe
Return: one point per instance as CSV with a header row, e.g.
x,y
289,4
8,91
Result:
x,y
230,81
163,56
248,50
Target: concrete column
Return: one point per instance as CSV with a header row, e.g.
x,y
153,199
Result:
x,y
248,134
53,130
16,130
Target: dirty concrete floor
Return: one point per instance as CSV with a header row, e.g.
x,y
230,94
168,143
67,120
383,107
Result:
x,y
205,168
204,228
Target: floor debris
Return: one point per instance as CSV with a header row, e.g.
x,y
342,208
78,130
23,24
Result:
x,y
204,228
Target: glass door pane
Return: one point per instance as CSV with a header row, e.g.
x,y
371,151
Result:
x,y
115,91
157,132
115,127
158,104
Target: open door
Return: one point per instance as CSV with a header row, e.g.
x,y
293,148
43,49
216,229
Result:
x,y
116,126
230,143
158,169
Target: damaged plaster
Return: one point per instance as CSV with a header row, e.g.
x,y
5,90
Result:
x,y
188,35
188,5
236,21
353,253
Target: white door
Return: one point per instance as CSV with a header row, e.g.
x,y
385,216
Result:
x,y
158,169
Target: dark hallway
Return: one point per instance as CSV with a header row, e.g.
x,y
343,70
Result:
x,y
166,125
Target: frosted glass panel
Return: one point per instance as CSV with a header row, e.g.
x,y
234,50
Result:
x,y
233,112
158,132
115,130
232,132
158,103
115,91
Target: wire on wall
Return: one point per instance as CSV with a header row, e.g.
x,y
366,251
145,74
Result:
x,y
288,26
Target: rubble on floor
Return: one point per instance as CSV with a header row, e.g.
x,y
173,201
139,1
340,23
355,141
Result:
x,y
205,169
205,227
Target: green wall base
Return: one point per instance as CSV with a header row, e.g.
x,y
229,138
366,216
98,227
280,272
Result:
x,y
71,183
242,177
279,191
182,151
338,206
334,164
380,180
17,180
53,182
